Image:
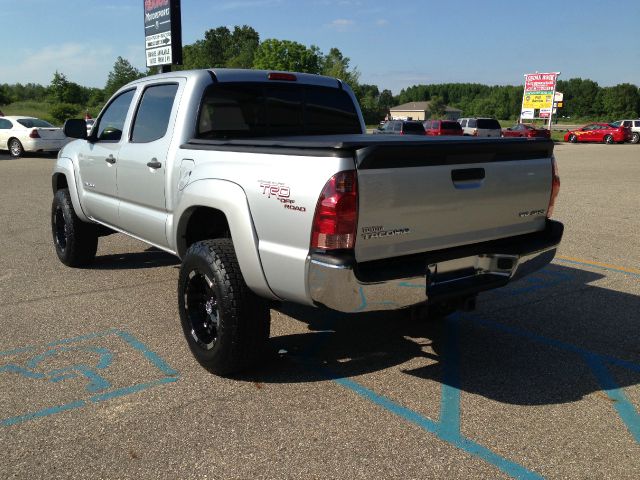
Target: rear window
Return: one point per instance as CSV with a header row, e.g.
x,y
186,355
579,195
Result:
x,y
488,123
249,110
34,123
413,127
451,126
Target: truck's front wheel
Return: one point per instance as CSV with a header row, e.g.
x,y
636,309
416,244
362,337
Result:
x,y
76,242
226,325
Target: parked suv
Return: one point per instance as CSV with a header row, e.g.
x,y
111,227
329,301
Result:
x,y
442,127
634,125
480,127
401,127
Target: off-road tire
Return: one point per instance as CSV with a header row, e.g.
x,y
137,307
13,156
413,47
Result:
x,y
225,324
16,150
75,241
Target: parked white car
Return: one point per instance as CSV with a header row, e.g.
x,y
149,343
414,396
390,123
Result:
x,y
28,134
480,127
634,125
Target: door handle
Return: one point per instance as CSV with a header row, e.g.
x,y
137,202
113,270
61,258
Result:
x,y
110,159
467,178
466,174
154,163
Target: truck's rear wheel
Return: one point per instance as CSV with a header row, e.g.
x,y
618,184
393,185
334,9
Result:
x,y
226,325
76,242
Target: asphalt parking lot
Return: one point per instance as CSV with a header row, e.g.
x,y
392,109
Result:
x,y
541,381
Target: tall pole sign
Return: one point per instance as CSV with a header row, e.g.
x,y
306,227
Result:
x,y
537,99
162,33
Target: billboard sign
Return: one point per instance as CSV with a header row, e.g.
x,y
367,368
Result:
x,y
162,32
537,99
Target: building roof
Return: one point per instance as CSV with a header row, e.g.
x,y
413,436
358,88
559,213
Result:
x,y
420,107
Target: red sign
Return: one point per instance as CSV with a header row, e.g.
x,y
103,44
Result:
x,y
540,82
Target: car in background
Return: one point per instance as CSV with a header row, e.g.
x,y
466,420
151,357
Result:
x,y
480,127
634,125
401,127
526,131
27,134
599,132
442,127
90,122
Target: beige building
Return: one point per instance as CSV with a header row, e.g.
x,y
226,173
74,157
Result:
x,y
420,111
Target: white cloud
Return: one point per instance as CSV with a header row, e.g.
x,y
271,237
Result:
x,y
242,4
341,24
81,63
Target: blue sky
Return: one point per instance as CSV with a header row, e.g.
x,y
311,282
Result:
x,y
394,44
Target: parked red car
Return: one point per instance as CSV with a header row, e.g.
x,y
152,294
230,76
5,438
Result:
x,y
442,127
527,131
599,132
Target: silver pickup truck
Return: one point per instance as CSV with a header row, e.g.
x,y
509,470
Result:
x,y
266,187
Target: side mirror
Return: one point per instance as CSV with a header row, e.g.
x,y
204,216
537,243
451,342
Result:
x,y
75,128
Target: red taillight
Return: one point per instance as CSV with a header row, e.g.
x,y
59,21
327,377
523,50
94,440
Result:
x,y
34,134
289,77
555,187
336,217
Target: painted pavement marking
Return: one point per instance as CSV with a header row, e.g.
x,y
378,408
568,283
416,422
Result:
x,y
97,386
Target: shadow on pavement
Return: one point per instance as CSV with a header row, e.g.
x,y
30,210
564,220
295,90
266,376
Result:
x,y
150,258
501,353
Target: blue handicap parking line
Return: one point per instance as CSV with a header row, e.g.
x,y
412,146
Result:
x,y
447,429
98,386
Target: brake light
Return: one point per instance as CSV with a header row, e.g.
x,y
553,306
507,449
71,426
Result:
x,y
34,134
336,216
555,186
289,77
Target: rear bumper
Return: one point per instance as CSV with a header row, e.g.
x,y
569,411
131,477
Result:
x,y
339,283
45,144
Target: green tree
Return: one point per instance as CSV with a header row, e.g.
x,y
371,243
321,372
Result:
x,y
123,72
273,54
437,107
621,101
336,65
5,97
222,48
58,87
63,111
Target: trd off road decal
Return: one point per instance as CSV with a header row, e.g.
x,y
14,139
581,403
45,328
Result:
x,y
282,193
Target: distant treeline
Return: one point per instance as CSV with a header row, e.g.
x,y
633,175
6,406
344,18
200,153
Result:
x,y
583,99
242,48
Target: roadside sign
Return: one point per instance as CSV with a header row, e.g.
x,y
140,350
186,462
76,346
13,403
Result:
x,y
162,32
538,95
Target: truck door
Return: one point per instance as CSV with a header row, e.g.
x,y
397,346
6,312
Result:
x,y
98,161
143,164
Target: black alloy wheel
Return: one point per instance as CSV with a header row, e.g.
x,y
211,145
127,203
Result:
x,y
201,308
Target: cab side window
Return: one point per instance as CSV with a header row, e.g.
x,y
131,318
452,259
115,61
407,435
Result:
x,y
5,124
152,118
112,121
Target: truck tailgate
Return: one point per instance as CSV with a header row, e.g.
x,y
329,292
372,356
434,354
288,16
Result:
x,y
430,196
